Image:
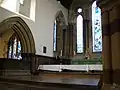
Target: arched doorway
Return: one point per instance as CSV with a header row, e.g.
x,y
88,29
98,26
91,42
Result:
x,y
59,35
16,26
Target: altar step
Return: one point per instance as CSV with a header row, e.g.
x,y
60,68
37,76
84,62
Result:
x,y
95,75
49,84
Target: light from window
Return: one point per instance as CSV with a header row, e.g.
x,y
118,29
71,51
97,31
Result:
x,y
10,50
19,50
22,2
55,36
14,49
79,10
79,34
96,28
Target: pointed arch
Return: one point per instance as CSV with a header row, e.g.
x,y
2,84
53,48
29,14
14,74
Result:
x,y
58,33
21,29
61,17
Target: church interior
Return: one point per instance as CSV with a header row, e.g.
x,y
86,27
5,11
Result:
x,y
59,44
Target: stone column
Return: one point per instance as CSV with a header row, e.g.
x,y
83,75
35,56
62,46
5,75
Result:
x,y
86,34
115,42
71,39
64,42
113,6
30,60
106,53
67,42
85,14
86,28
75,39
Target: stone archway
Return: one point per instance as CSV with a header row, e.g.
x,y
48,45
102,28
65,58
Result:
x,y
20,28
61,17
60,34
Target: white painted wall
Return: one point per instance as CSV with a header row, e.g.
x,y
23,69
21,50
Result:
x,y
10,5
25,8
42,27
45,16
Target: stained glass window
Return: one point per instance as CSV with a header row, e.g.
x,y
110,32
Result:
x,y
10,50
19,50
54,36
14,49
79,10
96,28
79,34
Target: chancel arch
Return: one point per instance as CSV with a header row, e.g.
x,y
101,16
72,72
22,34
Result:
x,y
15,27
59,31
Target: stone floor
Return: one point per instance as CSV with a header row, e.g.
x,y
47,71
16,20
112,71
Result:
x,y
47,82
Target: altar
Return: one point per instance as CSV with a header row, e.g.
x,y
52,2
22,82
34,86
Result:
x,y
97,67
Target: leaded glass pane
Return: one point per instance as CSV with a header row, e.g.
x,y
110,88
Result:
x,y
10,50
19,50
54,36
96,28
79,34
14,49
21,1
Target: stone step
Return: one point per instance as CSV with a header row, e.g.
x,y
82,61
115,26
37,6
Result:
x,y
51,84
